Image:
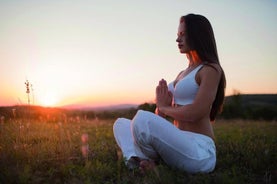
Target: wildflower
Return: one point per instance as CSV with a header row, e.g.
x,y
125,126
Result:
x,y
14,112
84,138
15,146
85,145
78,119
21,126
2,119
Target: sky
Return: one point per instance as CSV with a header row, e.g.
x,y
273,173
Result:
x,y
106,52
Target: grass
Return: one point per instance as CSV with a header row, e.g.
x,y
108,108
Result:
x,y
52,152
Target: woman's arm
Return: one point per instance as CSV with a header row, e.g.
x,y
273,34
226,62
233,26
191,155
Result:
x,y
158,112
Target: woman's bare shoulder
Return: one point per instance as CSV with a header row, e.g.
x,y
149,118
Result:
x,y
212,66
210,72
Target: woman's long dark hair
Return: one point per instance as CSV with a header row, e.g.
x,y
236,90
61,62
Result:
x,y
200,37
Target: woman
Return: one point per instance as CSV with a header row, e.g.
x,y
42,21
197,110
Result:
x,y
193,100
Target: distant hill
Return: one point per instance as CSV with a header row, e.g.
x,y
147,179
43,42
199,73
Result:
x,y
253,99
101,108
250,106
245,106
58,113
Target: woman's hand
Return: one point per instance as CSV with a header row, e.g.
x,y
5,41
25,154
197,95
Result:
x,y
163,96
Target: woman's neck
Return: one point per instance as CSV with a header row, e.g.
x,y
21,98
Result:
x,y
193,63
193,57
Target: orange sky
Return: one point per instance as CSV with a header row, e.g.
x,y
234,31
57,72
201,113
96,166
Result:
x,y
92,54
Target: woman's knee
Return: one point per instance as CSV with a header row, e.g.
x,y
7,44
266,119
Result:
x,y
141,117
140,120
144,119
117,123
120,123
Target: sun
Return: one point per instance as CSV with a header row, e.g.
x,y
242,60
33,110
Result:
x,y
49,100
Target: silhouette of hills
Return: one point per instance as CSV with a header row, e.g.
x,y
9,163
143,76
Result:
x,y
247,106
253,99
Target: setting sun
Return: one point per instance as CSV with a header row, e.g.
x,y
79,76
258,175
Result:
x,y
49,99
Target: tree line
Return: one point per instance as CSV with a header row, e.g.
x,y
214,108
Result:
x,y
259,107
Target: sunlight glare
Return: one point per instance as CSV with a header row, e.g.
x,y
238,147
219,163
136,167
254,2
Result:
x,y
49,99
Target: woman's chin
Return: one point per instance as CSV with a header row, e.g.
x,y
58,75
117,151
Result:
x,y
182,51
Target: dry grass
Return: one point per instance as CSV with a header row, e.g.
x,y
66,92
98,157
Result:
x,y
85,152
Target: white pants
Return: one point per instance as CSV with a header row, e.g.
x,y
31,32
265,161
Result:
x,y
149,136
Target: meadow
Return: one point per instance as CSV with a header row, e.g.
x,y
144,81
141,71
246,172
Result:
x,y
84,151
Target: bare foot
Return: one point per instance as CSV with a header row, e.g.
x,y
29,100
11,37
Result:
x,y
147,165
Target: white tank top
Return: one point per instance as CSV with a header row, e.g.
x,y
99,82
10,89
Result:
x,y
185,89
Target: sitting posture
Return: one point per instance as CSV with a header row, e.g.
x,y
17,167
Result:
x,y
193,100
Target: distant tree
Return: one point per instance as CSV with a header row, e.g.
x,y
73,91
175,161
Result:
x,y
233,108
147,107
265,113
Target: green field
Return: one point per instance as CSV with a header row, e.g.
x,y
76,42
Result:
x,y
53,152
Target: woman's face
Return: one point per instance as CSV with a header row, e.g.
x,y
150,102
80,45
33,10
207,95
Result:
x,y
181,38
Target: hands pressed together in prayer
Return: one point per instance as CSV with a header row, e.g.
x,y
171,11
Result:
x,y
163,95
